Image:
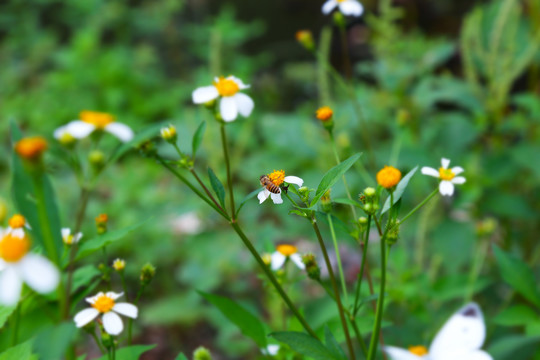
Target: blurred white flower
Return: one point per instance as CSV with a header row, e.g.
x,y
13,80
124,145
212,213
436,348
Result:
x,y
91,121
70,239
105,303
347,7
17,265
448,176
271,183
232,100
188,223
270,350
284,252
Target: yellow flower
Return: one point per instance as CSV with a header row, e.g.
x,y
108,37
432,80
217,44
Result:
x,y
31,148
388,177
324,113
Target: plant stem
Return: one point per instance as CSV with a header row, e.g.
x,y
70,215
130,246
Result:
x,y
419,206
345,52
338,161
94,336
334,286
192,170
228,167
362,266
338,257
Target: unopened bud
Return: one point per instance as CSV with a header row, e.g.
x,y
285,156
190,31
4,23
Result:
x,y
101,223
119,265
96,159
67,140
267,259
339,19
326,202
305,38
148,272
312,268
369,192
392,236
202,353
304,191
169,134
326,115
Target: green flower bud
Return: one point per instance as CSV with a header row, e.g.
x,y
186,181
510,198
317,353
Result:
x,y
97,159
326,202
202,353
370,192
169,134
148,272
339,19
312,268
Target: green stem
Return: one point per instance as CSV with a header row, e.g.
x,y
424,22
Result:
x,y
228,167
272,278
338,161
476,268
419,206
334,287
345,52
362,266
338,257
99,344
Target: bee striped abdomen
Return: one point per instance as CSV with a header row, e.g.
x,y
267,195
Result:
x,y
269,185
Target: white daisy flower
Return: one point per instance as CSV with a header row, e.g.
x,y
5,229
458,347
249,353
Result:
x,y
461,337
17,223
105,303
284,252
270,350
272,182
232,100
70,239
448,176
17,265
91,121
347,7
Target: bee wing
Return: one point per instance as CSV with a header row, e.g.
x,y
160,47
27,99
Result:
x,y
464,332
396,353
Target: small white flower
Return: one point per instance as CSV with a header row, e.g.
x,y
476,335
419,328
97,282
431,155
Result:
x,y
91,121
17,223
70,239
270,350
271,183
347,7
105,303
448,176
284,252
232,100
461,337
18,266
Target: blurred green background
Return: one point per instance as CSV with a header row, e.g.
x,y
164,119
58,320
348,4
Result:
x,y
455,79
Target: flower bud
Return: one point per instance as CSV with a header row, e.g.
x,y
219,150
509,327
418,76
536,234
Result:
x,y
101,223
403,117
67,140
326,115
97,159
304,193
326,202
267,258
305,38
392,236
369,192
31,149
169,134
148,272
119,265
388,177
339,19
202,353
107,340
312,268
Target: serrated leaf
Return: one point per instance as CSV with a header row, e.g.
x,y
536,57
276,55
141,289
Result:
x,y
332,176
130,352
5,313
248,323
246,198
518,275
332,344
217,186
20,352
304,344
400,188
197,138
52,341
95,244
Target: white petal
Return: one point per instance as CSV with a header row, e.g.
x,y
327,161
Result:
x,y
351,8
83,317
445,162
93,299
126,309
2,262
293,180
19,232
239,82
121,131
60,132
457,170
276,198
446,188
10,286
278,259
80,129
77,237
228,108
458,180
400,354
297,259
66,232
244,103
112,323
271,350
39,273
329,6
114,295
204,94
429,171
263,195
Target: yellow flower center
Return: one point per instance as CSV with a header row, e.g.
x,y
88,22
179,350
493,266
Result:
x,y
388,177
339,1
446,174
68,240
287,249
17,221
13,248
324,113
277,177
103,304
31,148
418,350
99,119
226,87
119,264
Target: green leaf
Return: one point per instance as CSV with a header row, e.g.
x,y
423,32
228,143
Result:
x,y
332,176
400,188
332,344
246,198
5,313
197,138
20,352
516,316
217,186
518,275
248,323
507,347
141,137
347,201
181,356
93,245
82,276
23,188
130,352
52,342
305,344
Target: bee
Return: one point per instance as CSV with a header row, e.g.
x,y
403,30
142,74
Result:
x,y
269,185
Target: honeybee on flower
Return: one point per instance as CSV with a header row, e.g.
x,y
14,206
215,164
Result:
x,y
272,183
